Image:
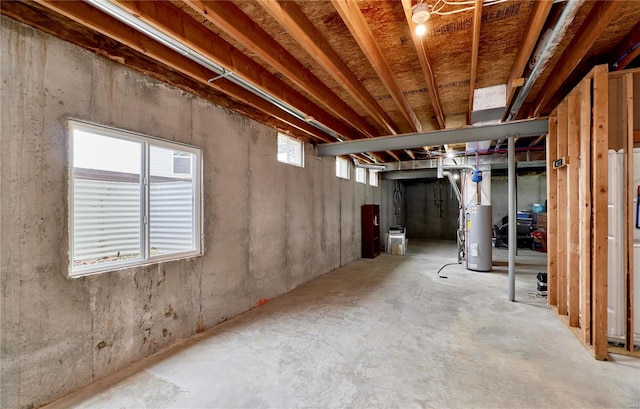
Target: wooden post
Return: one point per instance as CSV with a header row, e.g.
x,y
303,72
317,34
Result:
x,y
631,194
573,208
599,151
552,230
561,211
585,210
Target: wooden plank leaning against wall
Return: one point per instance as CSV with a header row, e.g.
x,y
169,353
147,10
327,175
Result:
x,y
577,260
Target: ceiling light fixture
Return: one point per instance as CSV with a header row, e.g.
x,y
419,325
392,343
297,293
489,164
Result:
x,y
419,15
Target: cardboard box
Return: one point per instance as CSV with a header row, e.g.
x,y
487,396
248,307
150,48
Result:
x,y
540,220
397,249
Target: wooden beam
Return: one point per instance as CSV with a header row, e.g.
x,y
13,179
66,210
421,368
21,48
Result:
x,y
631,194
585,210
625,52
599,149
360,30
91,17
230,19
177,24
289,15
425,63
537,140
573,224
561,215
55,24
552,207
292,19
593,26
537,18
475,47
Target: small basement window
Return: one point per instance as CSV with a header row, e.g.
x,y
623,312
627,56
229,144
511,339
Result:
x,y
134,199
342,168
361,175
290,150
373,178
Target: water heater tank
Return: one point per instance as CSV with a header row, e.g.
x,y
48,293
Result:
x,y
479,249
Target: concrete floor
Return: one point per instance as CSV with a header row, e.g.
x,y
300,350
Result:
x,y
384,333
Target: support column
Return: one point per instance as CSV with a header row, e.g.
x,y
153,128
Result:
x,y
513,244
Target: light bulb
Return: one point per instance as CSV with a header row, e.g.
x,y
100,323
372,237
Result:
x,y
421,29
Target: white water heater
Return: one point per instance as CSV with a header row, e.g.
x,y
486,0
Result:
x,y
479,249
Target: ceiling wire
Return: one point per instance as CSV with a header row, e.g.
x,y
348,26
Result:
x,y
440,4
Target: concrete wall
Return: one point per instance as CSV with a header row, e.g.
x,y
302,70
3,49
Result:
x,y
268,227
422,217
530,189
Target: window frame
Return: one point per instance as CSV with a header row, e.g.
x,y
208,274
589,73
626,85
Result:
x,y
361,175
146,142
290,140
374,175
339,174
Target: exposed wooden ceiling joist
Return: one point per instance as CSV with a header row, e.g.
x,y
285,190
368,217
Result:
x,y
88,16
292,19
57,25
355,21
625,52
475,47
174,22
422,51
229,18
535,25
593,26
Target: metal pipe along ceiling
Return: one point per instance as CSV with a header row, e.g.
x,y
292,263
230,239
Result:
x,y
136,23
544,51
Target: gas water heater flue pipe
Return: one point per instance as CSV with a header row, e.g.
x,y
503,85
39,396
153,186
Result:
x,y
460,231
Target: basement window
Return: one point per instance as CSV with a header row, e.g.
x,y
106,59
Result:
x,y
373,178
290,150
134,200
361,175
342,168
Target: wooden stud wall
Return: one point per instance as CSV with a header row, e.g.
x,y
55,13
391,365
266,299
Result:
x,y
552,200
561,210
627,121
577,263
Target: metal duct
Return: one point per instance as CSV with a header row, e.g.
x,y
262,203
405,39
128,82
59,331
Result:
x,y
357,164
547,46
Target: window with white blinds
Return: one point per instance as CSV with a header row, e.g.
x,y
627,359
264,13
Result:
x,y
133,199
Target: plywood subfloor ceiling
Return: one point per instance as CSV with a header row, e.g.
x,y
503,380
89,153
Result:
x,y
344,70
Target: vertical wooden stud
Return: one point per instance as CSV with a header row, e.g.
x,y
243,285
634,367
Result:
x,y
631,194
599,150
561,211
573,208
585,210
552,230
